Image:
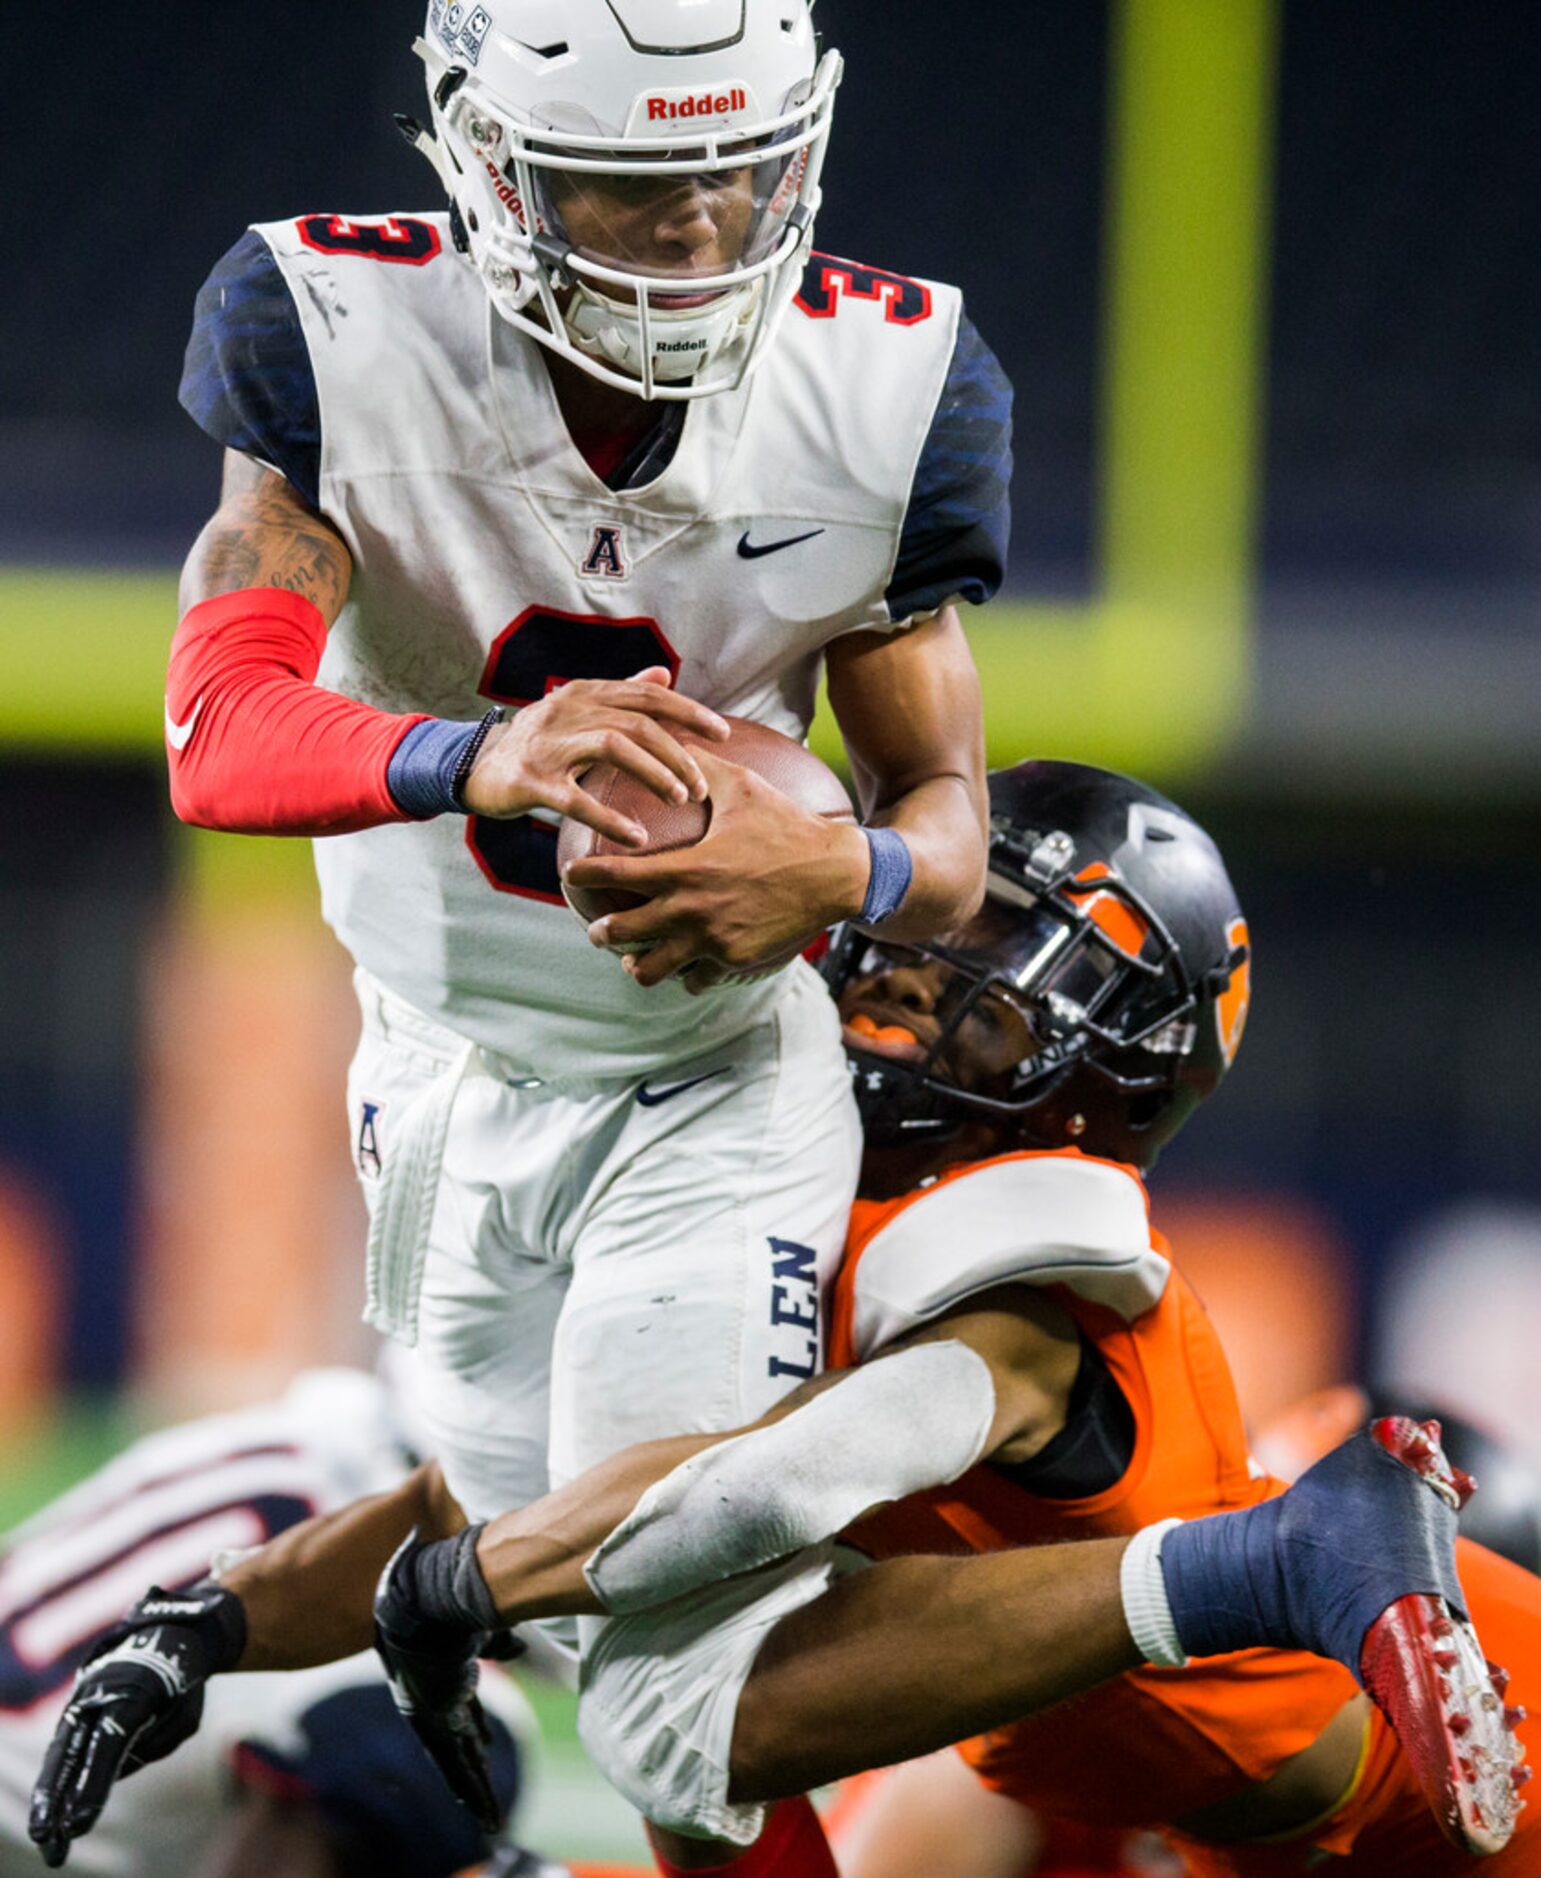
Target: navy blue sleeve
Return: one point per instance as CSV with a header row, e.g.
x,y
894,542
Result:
x,y
247,379
387,1809
958,525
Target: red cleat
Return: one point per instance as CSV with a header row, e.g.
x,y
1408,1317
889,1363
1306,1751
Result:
x,y
1424,1667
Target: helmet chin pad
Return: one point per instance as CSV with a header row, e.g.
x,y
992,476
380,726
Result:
x,y
679,340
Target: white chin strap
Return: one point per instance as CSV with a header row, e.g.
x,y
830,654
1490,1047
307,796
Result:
x,y
682,340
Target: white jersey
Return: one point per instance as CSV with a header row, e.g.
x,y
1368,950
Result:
x,y
840,489
157,1514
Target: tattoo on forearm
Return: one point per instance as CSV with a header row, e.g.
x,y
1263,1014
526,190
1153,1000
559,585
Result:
x,y
264,535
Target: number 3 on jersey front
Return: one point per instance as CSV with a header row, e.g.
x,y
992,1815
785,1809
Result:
x,y
542,649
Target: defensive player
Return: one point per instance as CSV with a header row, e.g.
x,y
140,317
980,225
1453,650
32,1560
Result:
x,y
1098,997
607,445
1021,1072
310,1775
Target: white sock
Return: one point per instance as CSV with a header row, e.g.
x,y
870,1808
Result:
x,y
1146,1610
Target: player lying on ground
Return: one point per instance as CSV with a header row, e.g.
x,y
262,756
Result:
x,y
299,1775
1041,1326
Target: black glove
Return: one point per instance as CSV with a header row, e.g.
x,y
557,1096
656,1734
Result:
x,y
433,1619
138,1695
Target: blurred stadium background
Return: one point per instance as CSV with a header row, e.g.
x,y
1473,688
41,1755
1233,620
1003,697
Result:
x,y
1257,270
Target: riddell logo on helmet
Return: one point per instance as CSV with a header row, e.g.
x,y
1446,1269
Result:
x,y
701,104
505,191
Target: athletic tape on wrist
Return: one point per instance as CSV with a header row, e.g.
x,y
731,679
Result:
x,y
893,869
447,1580
894,1427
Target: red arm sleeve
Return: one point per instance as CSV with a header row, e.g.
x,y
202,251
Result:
x,y
253,744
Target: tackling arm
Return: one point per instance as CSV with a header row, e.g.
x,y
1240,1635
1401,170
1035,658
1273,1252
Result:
x,y
307,1594
992,1379
637,1530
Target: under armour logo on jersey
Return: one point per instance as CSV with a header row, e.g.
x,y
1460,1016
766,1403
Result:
x,y
366,1150
606,555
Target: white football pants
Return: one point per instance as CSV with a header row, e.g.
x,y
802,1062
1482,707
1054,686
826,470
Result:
x,y
604,1269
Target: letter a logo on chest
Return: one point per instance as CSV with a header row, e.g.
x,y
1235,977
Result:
x,y
606,556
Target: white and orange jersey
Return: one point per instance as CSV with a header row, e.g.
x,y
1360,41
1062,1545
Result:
x,y
1079,1228
1153,1744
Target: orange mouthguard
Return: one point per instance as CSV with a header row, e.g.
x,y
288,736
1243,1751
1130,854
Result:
x,y
880,1033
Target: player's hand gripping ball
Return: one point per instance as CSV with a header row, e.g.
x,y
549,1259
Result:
x,y
779,760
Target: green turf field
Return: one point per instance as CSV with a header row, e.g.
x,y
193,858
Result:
x,y
42,1462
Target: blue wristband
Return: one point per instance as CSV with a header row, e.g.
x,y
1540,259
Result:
x,y
422,769
892,872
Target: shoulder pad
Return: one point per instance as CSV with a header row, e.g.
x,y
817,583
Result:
x,y
1038,1219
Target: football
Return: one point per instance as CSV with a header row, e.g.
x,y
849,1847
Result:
x,y
781,761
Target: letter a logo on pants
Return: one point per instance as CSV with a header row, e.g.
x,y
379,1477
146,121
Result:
x,y
366,1149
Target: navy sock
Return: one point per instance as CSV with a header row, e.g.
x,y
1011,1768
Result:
x,y
1314,1568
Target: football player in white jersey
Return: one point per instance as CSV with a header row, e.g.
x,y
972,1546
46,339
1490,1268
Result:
x,y
608,445
312,1774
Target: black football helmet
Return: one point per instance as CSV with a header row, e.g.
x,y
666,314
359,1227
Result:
x,y
1111,925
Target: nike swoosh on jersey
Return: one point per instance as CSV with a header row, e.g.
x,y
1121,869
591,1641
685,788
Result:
x,y
650,1098
749,552
179,736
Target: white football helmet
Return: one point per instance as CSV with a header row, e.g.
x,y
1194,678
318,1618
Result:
x,y
598,153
